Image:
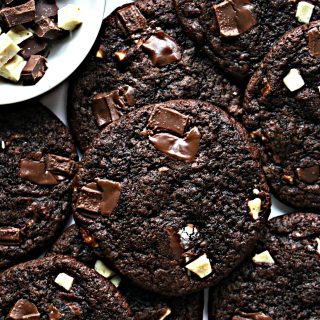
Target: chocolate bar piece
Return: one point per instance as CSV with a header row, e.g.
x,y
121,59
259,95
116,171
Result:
x,y
47,28
33,46
34,70
46,8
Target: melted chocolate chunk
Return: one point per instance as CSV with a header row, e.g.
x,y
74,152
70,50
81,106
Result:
x,y
251,316
23,309
36,172
162,49
184,149
168,119
23,13
47,28
60,165
33,46
132,18
54,313
9,235
314,42
309,175
175,244
46,8
34,70
234,17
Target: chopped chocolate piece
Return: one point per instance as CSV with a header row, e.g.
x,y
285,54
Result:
x,y
9,235
46,8
184,149
309,175
69,17
162,49
101,53
168,119
175,244
132,18
23,309
314,42
23,13
34,70
110,195
54,313
36,172
58,164
47,28
89,199
33,46
234,17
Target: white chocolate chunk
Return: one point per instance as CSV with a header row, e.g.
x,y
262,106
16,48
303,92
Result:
x,y
167,313
200,266
19,34
64,281
186,233
116,281
8,49
304,11
3,145
263,258
102,269
255,208
13,68
256,191
293,80
318,245
69,17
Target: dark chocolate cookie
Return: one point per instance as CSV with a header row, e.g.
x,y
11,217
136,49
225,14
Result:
x,y
59,288
144,304
142,57
173,195
281,281
282,115
237,34
37,165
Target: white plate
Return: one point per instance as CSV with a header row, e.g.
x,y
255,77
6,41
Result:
x,y
65,54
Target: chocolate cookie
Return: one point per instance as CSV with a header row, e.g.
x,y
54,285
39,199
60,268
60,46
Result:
x,y
237,34
173,195
281,281
282,115
56,288
145,305
141,57
37,165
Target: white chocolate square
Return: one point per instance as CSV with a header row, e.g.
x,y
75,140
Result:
x,y
293,80
64,281
263,258
13,68
102,269
8,49
304,11
116,281
255,208
200,266
19,33
69,17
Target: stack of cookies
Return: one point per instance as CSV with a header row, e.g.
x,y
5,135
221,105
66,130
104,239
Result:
x,y
188,115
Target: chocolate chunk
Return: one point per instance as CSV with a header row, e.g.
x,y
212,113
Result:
x,y
89,198
162,49
184,149
168,119
36,172
54,313
314,42
46,8
34,70
309,175
175,244
58,164
9,235
110,195
23,13
132,18
251,316
23,309
33,46
234,17
47,28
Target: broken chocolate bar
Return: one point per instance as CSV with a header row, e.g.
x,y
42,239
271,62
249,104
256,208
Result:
x,y
34,70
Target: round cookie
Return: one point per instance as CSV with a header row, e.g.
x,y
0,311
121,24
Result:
x,y
281,281
144,304
173,195
141,57
59,287
237,34
282,115
37,165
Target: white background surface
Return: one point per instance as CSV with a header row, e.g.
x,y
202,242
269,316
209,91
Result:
x,y
56,101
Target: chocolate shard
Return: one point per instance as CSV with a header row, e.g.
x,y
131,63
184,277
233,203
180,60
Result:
x,y
168,119
23,309
314,42
162,49
46,8
20,14
34,70
235,17
60,165
251,316
36,172
184,149
175,243
309,174
89,199
132,18
33,46
9,235
48,29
